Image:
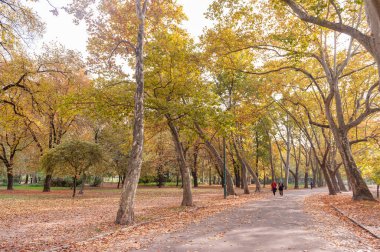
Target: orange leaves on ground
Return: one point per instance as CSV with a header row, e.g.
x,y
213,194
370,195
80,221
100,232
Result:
x,y
338,228
33,221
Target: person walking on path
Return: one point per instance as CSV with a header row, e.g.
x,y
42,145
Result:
x,y
274,187
281,189
311,184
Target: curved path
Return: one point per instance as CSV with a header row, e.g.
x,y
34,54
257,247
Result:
x,y
274,224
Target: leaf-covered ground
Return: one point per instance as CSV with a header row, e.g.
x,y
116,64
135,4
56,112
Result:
x,y
340,230
32,221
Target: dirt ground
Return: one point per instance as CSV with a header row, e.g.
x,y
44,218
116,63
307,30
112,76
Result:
x,y
276,223
34,221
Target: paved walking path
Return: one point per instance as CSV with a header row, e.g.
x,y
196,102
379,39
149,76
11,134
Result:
x,y
274,224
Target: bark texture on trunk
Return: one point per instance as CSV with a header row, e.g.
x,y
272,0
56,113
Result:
x,y
327,177
372,8
334,181
74,185
306,180
359,187
125,214
245,182
341,184
187,198
9,178
47,183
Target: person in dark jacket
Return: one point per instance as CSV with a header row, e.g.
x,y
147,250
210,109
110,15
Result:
x,y
281,189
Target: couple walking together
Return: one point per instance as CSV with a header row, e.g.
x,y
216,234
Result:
x,y
280,188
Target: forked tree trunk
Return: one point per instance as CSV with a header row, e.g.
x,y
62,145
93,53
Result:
x,y
187,198
218,159
327,177
245,165
244,182
47,183
334,181
125,214
359,187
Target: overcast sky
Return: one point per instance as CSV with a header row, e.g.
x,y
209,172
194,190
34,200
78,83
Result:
x,y
61,28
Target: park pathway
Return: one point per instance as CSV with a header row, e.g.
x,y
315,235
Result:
x,y
273,224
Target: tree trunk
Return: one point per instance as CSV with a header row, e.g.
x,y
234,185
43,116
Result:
x,y
123,179
218,159
75,185
47,183
125,214
320,178
334,180
27,179
341,184
246,166
257,154
359,187
10,178
306,180
327,177
35,178
195,166
237,173
83,182
245,182
271,159
288,149
209,177
119,182
236,169
195,178
187,198
377,191
372,8
296,178
160,176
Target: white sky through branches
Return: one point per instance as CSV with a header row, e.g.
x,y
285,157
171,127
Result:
x,y
61,28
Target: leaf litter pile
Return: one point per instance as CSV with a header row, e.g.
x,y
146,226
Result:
x,y
336,226
36,221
